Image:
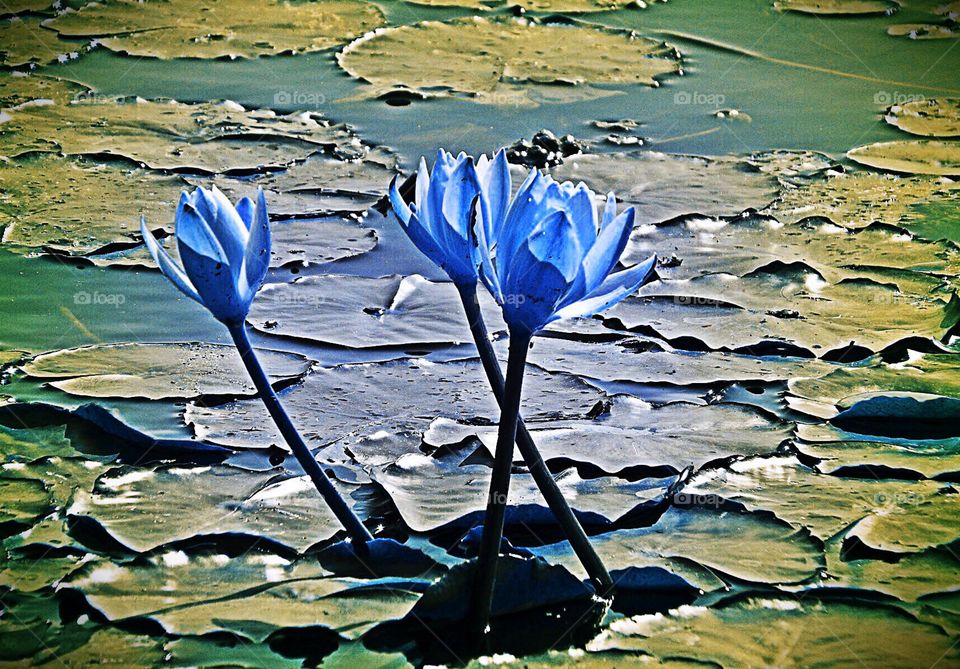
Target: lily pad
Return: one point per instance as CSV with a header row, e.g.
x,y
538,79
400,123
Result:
x,y
46,204
768,632
824,505
789,304
910,156
634,436
207,653
23,41
17,88
375,397
930,117
143,509
908,579
23,6
751,547
923,31
663,187
361,312
160,371
123,650
494,59
836,7
859,199
217,29
24,500
27,445
553,6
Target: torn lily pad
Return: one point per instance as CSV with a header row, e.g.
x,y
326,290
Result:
x,y
663,186
160,371
929,117
218,29
361,312
24,41
502,61
910,156
46,204
374,399
144,509
760,632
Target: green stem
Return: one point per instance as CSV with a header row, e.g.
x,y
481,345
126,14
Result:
x,y
528,449
358,533
499,482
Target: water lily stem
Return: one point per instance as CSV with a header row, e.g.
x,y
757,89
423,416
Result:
x,y
358,533
531,455
499,482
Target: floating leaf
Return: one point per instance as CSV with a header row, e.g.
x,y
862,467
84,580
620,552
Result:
x,y
361,312
46,203
836,7
24,41
762,632
27,445
24,500
824,505
910,156
371,398
120,649
856,200
23,6
143,509
204,653
789,304
751,547
909,578
663,186
495,58
634,436
923,31
930,117
217,29
160,371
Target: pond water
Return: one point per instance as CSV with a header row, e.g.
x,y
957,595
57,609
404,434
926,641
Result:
x,y
763,443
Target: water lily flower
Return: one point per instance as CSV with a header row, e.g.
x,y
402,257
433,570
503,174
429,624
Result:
x,y
456,216
555,259
225,251
449,201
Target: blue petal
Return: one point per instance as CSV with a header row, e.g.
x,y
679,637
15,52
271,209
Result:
x,y
458,196
256,259
167,265
193,232
495,182
583,215
603,256
609,211
245,208
520,219
488,273
532,291
230,229
400,207
555,241
615,288
423,188
216,286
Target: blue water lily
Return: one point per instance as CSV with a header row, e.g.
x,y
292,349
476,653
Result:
x,y
554,259
457,211
224,250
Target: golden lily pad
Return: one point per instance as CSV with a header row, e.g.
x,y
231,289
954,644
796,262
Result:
x,y
11,7
24,41
836,7
923,31
933,117
46,204
17,88
492,61
218,28
784,632
209,137
855,200
557,6
910,156
159,371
